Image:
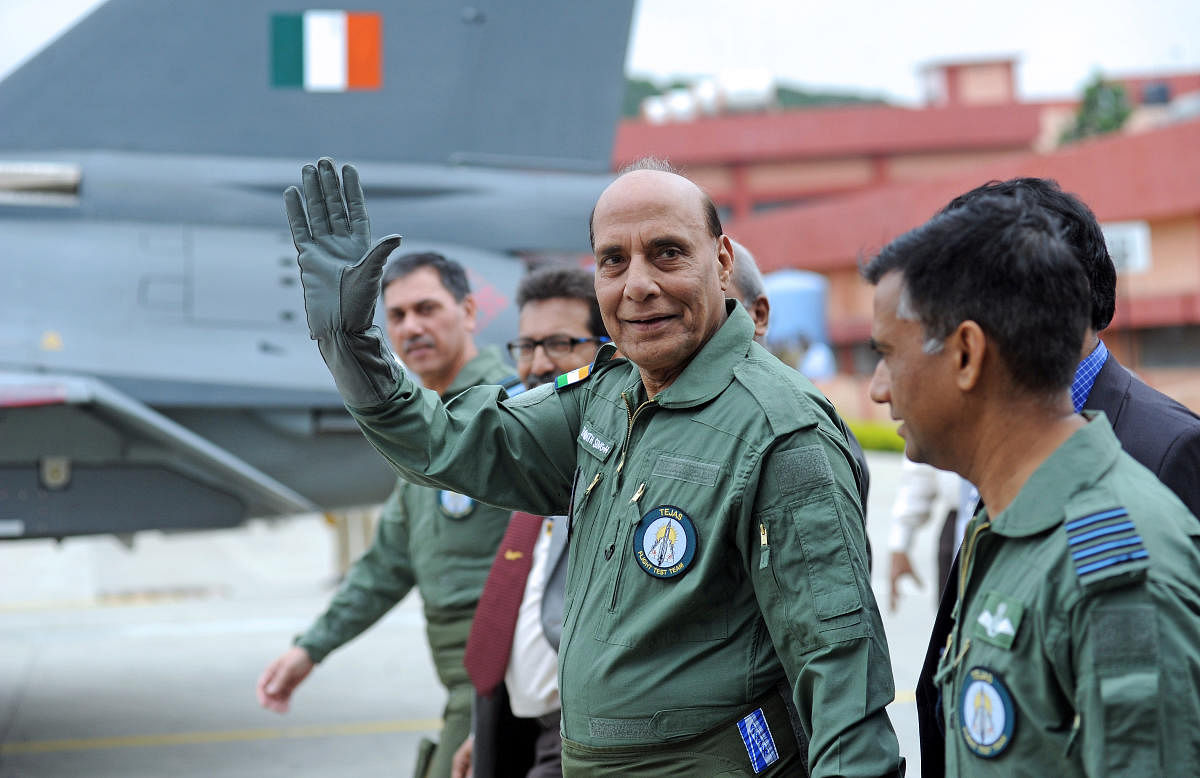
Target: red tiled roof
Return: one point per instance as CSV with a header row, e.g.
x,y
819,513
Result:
x,y
1153,174
852,130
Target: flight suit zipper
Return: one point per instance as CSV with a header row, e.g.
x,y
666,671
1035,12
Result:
x,y
764,554
632,414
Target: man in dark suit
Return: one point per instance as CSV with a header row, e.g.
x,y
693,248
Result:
x,y
1154,429
1157,431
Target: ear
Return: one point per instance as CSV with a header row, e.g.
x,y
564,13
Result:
x,y
469,311
968,345
761,313
725,259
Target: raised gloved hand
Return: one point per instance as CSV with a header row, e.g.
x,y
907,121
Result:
x,y
340,271
339,268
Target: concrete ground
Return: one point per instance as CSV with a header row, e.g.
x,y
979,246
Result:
x,y
142,662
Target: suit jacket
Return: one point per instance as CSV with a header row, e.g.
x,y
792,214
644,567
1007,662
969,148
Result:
x,y
556,581
1158,432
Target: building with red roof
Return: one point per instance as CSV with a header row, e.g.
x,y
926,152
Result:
x,y
820,189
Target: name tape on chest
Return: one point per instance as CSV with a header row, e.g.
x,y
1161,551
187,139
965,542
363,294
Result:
x,y
664,542
986,713
594,443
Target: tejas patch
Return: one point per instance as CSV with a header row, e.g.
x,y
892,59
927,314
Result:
x,y
986,713
664,542
455,505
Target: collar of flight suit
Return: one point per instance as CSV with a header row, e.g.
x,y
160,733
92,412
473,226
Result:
x,y
711,368
1078,463
487,367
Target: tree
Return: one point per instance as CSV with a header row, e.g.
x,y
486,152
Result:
x,y
1104,109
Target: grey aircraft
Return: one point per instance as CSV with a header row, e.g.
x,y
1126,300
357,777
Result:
x,y
155,365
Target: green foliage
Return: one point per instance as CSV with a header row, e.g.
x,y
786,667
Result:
x,y
876,435
638,89
791,97
1104,109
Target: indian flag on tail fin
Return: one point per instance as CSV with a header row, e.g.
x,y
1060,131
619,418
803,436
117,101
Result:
x,y
327,51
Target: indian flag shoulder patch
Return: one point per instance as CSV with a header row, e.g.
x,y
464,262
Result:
x,y
327,51
571,378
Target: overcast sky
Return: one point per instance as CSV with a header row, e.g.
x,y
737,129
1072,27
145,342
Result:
x,y
870,47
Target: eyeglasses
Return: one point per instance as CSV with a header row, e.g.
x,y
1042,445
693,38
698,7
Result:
x,y
556,346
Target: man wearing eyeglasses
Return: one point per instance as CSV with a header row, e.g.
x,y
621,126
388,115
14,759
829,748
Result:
x,y
559,324
437,540
516,722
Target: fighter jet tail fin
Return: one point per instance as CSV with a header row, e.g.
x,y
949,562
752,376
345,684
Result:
x,y
414,81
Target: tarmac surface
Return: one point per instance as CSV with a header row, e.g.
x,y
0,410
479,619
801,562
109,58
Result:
x,y
142,662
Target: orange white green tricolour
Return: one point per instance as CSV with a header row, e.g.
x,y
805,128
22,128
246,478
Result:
x,y
327,51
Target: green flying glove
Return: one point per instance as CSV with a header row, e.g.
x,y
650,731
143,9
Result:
x,y
340,270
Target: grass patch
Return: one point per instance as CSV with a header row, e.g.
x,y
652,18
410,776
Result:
x,y
876,435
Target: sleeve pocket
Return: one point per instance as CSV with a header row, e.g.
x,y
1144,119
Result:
x,y
827,561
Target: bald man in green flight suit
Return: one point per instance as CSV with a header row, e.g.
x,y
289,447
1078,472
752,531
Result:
x,y
750,632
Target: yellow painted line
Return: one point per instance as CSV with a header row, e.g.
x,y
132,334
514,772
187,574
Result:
x,y
907,695
119,600
229,736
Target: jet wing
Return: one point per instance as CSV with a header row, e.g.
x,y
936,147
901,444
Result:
x,y
79,457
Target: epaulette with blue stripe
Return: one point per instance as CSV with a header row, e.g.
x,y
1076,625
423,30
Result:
x,y
512,385
1106,549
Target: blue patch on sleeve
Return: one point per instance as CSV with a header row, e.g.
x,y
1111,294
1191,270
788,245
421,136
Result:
x,y
760,746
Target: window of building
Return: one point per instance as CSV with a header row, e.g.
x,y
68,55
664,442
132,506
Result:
x,y
859,357
1169,346
1156,93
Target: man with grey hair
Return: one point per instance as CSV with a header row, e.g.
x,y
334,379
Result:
x,y
748,284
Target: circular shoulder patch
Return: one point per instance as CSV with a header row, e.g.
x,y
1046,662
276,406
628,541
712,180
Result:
x,y
455,505
665,542
986,712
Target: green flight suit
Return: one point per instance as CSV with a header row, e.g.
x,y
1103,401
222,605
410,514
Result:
x,y
717,551
441,542
1079,648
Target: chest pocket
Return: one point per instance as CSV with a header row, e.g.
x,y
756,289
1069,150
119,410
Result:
x,y
666,581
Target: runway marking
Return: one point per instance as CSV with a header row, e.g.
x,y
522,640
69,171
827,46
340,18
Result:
x,y
113,600
229,736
